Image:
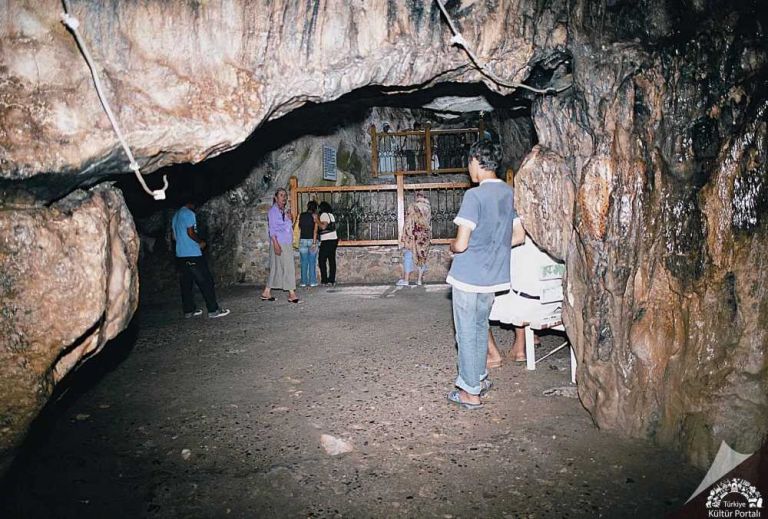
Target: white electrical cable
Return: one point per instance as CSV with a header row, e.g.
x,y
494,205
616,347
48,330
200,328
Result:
x,y
458,39
72,24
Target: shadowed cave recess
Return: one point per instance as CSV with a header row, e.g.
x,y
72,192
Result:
x,y
643,169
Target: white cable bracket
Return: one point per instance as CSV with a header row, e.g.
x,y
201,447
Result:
x,y
458,39
72,23
157,194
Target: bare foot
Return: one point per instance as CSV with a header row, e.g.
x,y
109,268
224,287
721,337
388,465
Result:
x,y
493,358
467,398
493,363
517,356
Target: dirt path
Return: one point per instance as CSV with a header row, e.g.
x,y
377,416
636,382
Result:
x,y
223,418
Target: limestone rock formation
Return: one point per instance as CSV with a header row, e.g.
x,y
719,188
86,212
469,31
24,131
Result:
x,y
660,168
650,178
68,284
189,81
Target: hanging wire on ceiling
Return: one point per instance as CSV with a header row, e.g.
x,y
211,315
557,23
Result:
x,y
458,39
72,24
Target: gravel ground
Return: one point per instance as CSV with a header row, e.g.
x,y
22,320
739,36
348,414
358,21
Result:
x,y
213,418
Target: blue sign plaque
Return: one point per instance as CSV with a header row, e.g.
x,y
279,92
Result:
x,y
329,163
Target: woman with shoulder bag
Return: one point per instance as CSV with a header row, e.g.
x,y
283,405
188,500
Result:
x,y
282,272
308,245
329,240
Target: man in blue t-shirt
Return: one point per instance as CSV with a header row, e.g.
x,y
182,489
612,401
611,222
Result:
x,y
488,228
192,264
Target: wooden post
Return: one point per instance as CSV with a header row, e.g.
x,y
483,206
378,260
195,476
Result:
x,y
428,150
481,127
400,206
374,152
293,185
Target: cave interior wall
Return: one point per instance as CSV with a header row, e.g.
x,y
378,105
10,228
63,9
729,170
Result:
x,y
234,221
649,177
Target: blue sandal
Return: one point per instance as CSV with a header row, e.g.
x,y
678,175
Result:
x,y
453,396
485,386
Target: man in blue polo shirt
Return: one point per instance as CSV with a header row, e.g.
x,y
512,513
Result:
x,y
488,227
192,264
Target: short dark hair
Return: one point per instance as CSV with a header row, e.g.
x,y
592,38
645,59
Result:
x,y
325,207
189,198
311,206
487,153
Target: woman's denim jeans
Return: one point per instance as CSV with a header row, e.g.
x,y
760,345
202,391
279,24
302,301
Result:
x,y
308,262
470,317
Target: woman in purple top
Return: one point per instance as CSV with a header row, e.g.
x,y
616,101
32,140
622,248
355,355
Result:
x,y
282,271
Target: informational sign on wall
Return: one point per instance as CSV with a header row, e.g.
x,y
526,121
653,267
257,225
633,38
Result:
x,y
329,163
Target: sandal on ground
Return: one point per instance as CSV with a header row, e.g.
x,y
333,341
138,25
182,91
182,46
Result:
x,y
494,364
267,298
454,397
485,386
295,301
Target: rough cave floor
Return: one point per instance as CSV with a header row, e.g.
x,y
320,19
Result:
x,y
215,418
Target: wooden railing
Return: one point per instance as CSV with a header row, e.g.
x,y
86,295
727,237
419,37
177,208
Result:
x,y
419,152
374,214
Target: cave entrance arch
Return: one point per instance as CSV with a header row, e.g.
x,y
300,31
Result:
x,y
236,184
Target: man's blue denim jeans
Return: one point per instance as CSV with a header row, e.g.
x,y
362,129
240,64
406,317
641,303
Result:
x,y
470,317
308,262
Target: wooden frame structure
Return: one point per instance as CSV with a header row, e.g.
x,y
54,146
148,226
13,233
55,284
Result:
x,y
426,140
400,188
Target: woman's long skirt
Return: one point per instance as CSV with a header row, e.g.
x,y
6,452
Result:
x,y
282,269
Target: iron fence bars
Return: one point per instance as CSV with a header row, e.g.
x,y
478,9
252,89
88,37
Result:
x,y
450,147
418,152
374,214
